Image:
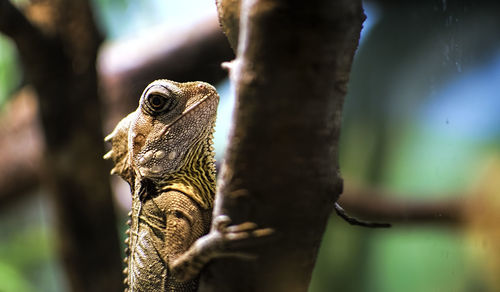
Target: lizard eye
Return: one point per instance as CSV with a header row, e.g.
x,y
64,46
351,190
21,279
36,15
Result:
x,y
156,103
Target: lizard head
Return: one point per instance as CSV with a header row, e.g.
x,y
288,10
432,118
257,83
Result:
x,y
172,120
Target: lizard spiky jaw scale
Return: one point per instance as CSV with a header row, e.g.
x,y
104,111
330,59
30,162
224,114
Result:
x,y
108,155
119,149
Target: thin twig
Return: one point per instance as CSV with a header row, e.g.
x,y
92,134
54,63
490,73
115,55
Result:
x,y
354,221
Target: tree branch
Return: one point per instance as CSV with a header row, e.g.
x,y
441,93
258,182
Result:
x,y
355,221
389,207
60,65
37,51
290,75
15,25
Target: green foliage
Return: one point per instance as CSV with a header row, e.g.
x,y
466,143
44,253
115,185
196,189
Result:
x,y
9,70
418,259
121,18
11,280
27,249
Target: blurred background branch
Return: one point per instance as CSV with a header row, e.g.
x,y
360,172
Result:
x,y
59,65
398,209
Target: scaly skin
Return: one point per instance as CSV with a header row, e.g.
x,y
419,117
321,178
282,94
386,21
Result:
x,y
163,150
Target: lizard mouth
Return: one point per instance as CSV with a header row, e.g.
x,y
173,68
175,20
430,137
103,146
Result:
x,y
192,110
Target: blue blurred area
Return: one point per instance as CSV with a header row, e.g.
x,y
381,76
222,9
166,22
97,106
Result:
x,y
422,116
443,145
224,118
468,106
372,12
123,18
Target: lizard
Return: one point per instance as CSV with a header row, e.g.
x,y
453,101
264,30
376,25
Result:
x,y
164,151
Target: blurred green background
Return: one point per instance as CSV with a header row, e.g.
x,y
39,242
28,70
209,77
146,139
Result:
x,y
422,116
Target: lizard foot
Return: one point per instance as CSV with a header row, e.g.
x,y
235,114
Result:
x,y
239,236
224,240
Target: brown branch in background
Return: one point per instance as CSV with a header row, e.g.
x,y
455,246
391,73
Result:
x,y
394,208
192,53
60,65
36,48
15,25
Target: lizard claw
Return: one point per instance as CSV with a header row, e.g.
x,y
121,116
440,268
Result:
x,y
223,240
239,235
241,227
247,230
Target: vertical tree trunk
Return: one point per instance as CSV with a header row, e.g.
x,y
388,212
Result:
x,y
281,170
58,55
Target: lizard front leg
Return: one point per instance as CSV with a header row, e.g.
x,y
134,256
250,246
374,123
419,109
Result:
x,y
222,241
172,227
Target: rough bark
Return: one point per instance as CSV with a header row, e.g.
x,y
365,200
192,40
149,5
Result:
x,y
229,19
58,56
281,168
